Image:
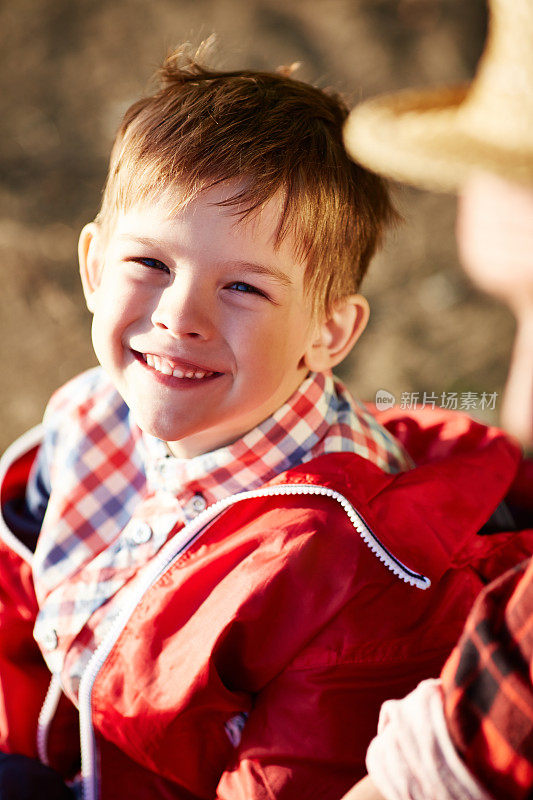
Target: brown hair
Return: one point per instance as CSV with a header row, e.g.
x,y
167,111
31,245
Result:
x,y
279,136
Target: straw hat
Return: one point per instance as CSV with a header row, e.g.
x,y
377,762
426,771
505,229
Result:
x,y
436,138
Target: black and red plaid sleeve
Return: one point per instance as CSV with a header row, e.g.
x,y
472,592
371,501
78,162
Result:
x,y
487,685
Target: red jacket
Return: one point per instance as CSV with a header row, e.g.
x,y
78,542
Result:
x,y
289,617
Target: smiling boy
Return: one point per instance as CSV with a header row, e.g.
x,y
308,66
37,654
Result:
x,y
225,561
203,322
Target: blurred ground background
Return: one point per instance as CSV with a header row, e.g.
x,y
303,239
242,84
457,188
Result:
x,y
70,68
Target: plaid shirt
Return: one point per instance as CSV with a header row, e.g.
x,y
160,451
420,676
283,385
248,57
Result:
x,y
487,686
119,495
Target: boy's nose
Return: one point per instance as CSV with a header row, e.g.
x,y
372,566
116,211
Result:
x,y
182,313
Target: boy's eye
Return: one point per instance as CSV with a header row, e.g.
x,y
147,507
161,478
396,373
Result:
x,y
152,263
245,288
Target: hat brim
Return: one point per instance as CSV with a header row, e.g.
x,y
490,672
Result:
x,y
419,137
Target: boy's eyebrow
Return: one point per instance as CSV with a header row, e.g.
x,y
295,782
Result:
x,y
261,269
133,237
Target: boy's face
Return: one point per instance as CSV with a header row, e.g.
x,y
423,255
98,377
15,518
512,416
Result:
x,y
201,323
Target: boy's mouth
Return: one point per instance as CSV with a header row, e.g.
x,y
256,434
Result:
x,y
171,368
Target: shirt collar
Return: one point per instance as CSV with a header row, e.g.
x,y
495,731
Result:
x,y
320,417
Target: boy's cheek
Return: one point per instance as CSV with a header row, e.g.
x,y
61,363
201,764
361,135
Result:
x,y
107,343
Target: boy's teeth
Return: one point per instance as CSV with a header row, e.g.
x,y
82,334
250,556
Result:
x,y
164,366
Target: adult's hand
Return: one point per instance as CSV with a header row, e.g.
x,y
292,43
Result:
x,y
364,790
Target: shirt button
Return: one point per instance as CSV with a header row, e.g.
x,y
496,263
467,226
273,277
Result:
x,y
141,533
198,503
50,641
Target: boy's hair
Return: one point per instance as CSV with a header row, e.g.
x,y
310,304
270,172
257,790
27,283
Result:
x,y
279,136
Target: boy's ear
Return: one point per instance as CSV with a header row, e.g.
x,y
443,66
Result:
x,y
337,333
90,258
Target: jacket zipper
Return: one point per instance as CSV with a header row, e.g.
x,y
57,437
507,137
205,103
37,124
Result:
x,y
168,554
46,716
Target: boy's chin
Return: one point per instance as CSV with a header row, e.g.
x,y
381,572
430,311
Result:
x,y
186,441
183,441
161,429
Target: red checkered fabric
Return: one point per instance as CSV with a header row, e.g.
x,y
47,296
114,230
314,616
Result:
x,y
109,480
487,686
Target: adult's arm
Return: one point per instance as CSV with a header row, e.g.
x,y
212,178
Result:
x,y
468,735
